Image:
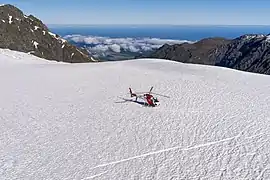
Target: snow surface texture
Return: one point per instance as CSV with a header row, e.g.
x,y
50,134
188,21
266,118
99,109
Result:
x,y
65,121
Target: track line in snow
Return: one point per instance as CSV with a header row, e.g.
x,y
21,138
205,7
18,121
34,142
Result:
x,y
175,148
94,176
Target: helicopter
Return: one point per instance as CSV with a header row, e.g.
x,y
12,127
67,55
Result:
x,y
147,97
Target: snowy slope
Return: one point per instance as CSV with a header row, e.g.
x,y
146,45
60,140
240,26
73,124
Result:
x,y
64,121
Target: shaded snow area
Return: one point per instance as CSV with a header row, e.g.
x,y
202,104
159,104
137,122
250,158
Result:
x,y
65,121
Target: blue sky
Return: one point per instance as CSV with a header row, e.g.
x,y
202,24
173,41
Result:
x,y
183,12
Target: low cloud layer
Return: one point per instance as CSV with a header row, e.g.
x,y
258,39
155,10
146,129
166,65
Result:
x,y
103,44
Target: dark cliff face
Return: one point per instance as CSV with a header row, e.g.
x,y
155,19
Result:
x,y
28,34
247,53
197,53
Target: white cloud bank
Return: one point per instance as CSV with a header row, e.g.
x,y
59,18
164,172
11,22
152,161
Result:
x,y
103,44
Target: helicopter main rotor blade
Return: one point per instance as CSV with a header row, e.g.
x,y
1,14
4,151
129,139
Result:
x,y
150,92
161,95
150,89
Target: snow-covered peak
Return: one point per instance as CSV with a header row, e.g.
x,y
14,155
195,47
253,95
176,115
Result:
x,y
250,36
268,38
256,37
253,36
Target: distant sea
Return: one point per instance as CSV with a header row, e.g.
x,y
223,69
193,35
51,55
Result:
x,y
191,33
115,42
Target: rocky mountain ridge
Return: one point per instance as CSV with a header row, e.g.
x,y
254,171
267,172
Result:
x,y
29,34
197,53
249,52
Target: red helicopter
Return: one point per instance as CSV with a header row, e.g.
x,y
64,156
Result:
x,y
149,99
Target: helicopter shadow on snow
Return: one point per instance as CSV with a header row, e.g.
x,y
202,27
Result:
x,y
124,100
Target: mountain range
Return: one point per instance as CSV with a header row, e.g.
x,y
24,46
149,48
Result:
x,y
249,52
